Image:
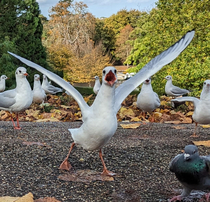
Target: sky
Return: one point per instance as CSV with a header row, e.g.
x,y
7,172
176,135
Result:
x,y
102,8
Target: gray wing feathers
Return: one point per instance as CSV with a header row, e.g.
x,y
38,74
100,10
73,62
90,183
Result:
x,y
187,99
7,99
151,68
65,85
177,90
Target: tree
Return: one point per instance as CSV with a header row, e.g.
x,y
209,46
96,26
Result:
x,y
70,43
165,25
123,47
21,26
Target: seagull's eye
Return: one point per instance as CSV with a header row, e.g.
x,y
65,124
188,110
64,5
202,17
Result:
x,y
104,72
204,83
115,71
19,71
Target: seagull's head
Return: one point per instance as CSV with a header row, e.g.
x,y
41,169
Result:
x,y
96,77
36,77
190,152
168,78
147,81
109,75
21,72
44,77
206,84
3,77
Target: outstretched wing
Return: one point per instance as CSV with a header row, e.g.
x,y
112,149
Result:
x,y
151,68
57,79
187,99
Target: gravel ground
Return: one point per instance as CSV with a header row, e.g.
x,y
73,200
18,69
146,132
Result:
x,y
140,157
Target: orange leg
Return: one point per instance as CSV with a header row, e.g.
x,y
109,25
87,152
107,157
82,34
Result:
x,y
18,125
194,134
105,171
65,165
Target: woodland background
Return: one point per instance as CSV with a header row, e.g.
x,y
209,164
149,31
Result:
x,y
77,46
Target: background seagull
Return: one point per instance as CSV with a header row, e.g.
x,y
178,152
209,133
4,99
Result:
x,y
17,99
172,90
38,92
97,85
201,113
147,99
49,88
99,119
3,82
192,171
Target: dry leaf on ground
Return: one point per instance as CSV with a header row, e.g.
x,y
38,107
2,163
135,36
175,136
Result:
x,y
35,143
178,127
132,125
203,143
205,126
26,198
85,176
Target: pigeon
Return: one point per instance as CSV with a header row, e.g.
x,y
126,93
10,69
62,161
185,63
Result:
x,y
99,119
201,113
97,85
38,92
3,82
172,90
191,170
49,88
147,99
17,99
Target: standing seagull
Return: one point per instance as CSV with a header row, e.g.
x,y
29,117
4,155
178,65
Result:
x,y
97,85
17,99
147,99
99,119
49,88
192,171
38,92
3,82
201,113
172,90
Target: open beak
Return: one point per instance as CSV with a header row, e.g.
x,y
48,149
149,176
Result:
x,y
110,78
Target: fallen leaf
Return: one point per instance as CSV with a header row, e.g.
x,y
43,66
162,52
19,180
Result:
x,y
47,199
173,122
204,143
178,127
35,143
47,120
190,113
26,198
132,125
85,176
205,126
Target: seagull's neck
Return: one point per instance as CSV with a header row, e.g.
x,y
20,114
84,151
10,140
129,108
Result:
x,y
37,84
105,97
22,84
205,94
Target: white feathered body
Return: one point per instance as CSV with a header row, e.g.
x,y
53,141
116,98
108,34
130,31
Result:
x,y
147,99
99,123
38,92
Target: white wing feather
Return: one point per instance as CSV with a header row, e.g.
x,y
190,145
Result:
x,y
64,84
187,99
151,68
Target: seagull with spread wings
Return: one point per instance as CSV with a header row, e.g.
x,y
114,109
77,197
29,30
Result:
x,y
99,119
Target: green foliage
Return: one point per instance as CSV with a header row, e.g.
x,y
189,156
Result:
x,y
20,32
165,25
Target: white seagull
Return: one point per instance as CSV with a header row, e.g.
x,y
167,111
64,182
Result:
x,y
97,85
147,99
99,119
17,99
172,90
3,82
38,92
49,88
201,113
